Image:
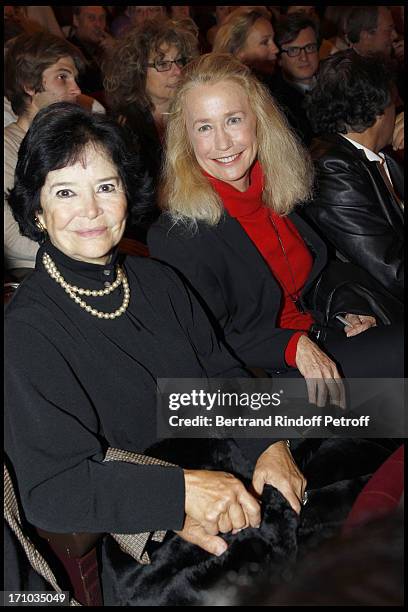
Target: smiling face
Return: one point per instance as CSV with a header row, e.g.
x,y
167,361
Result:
x,y
304,66
259,44
84,207
161,86
222,130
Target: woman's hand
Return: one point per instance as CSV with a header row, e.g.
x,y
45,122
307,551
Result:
x,y
218,501
320,373
358,324
277,467
194,533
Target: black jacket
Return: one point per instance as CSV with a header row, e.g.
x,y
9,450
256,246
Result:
x,y
234,283
291,101
356,212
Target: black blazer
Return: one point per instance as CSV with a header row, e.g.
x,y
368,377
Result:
x,y
291,101
356,212
234,283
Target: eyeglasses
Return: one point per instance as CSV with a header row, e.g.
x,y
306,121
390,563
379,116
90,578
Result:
x,y
295,51
165,65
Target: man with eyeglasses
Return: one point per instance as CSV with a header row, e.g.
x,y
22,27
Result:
x,y
298,40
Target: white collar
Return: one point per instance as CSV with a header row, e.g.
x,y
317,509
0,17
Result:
x,y
371,156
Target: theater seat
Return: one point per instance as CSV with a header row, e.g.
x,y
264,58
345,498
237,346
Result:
x,y
382,493
66,561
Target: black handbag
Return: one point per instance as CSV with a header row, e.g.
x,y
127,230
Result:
x,y
346,288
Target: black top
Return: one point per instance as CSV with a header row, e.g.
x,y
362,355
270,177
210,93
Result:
x,y
233,282
76,384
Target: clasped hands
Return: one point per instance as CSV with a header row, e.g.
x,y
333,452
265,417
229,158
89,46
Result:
x,y
217,502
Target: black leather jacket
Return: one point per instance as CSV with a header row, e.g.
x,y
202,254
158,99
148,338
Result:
x,y
356,213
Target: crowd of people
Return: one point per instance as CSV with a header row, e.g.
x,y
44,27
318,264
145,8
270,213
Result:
x,y
257,152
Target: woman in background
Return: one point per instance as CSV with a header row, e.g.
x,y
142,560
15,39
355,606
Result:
x,y
248,34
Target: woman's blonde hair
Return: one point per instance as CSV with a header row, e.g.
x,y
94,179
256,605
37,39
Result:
x,y
288,171
232,35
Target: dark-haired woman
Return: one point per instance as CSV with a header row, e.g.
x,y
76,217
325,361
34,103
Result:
x,y
141,75
86,339
358,202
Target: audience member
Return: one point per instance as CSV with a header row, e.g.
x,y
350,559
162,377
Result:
x,y
180,12
39,69
93,40
232,177
371,29
221,14
248,34
16,22
289,9
185,19
44,16
398,136
135,15
333,30
141,76
297,37
358,204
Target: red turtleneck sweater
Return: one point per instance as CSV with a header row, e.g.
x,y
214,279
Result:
x,y
290,271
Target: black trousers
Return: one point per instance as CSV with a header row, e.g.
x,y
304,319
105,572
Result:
x,y
376,353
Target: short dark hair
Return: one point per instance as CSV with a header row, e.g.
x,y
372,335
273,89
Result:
x,y
350,93
289,27
27,56
57,138
360,18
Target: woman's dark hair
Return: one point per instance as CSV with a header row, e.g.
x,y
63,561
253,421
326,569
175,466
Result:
x,y
58,137
350,93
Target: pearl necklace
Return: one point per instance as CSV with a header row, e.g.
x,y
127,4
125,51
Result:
x,y
73,290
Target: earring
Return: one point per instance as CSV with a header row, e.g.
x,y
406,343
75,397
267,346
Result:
x,y
39,225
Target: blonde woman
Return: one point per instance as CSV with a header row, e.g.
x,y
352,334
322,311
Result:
x,y
233,175
248,34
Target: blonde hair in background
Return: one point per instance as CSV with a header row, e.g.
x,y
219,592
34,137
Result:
x,y
288,171
231,36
